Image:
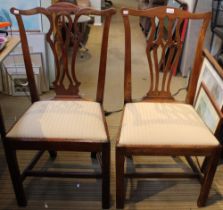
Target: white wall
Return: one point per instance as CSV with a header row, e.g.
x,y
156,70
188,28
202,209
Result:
x,y
192,36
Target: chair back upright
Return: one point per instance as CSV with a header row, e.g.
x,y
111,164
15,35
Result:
x,y
63,33
163,49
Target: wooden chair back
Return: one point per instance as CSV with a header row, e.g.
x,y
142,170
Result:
x,y
64,32
163,51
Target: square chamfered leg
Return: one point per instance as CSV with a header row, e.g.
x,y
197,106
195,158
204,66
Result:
x,y
106,176
120,179
211,166
15,176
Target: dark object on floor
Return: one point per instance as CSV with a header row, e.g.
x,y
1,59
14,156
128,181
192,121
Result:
x,y
220,59
105,4
84,26
146,4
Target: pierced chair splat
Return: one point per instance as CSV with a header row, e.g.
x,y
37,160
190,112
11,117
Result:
x,y
68,122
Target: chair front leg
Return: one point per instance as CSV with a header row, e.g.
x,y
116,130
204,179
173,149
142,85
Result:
x,y
15,176
106,176
120,179
212,163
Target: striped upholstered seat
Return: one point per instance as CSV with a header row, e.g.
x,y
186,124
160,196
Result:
x,y
80,120
164,124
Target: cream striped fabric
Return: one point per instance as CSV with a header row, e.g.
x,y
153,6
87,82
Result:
x,y
163,124
61,119
84,3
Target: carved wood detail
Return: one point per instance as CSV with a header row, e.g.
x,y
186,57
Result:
x,y
64,38
163,47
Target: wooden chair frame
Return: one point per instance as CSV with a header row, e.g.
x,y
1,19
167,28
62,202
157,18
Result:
x,y
56,15
206,174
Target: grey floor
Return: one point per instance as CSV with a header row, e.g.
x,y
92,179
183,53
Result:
x,y
85,194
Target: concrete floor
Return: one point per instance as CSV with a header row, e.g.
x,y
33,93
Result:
x,y
79,194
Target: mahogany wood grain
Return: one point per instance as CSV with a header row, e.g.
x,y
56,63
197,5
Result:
x,y
173,43
64,35
2,124
66,19
160,91
208,177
